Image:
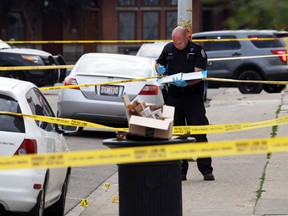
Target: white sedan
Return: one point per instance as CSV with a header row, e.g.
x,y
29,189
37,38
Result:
x,y
31,191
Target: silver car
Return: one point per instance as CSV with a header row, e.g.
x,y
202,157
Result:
x,y
103,104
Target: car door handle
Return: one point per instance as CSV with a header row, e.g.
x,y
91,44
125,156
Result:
x,y
236,54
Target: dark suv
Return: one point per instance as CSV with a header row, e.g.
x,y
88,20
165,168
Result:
x,y
249,43
10,56
239,43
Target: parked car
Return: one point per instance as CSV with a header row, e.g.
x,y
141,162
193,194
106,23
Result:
x,y
12,56
30,191
272,68
104,103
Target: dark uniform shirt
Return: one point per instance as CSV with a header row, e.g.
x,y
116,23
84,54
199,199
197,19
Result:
x,y
176,61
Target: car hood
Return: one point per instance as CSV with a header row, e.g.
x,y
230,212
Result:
x,y
26,51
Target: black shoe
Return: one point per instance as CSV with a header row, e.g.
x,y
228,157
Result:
x,y
183,178
209,177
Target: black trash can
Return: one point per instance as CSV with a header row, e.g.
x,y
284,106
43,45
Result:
x,y
149,189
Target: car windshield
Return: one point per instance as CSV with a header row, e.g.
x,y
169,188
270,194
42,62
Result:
x,y
4,45
119,67
151,50
10,123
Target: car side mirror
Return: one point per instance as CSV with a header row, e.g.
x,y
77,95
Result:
x,y
65,129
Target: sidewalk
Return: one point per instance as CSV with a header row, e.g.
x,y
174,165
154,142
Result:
x,y
238,178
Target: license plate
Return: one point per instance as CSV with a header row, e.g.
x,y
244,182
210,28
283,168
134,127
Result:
x,y
111,90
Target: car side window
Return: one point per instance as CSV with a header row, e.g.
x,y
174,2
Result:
x,y
39,106
8,122
269,42
217,43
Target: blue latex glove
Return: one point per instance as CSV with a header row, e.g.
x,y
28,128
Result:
x,y
179,83
161,69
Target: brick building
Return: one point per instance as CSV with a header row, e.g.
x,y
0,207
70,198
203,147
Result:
x,y
98,20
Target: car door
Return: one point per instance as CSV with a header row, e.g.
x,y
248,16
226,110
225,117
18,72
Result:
x,y
52,141
221,46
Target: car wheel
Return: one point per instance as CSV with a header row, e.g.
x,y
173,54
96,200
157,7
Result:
x,y
274,88
58,208
250,88
38,209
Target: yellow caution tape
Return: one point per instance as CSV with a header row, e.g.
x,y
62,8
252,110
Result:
x,y
65,121
16,68
246,57
224,128
145,154
85,41
151,78
246,81
97,84
177,130
47,67
130,41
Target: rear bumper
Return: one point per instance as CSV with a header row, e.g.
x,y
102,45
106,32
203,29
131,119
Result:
x,y
72,104
16,189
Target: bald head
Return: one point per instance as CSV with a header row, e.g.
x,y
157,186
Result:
x,y
179,37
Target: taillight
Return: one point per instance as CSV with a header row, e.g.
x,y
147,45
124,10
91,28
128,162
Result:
x,y
70,81
283,53
149,90
28,146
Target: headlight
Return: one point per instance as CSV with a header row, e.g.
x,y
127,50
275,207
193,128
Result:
x,y
35,59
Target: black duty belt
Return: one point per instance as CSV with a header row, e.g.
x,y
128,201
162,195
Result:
x,y
174,90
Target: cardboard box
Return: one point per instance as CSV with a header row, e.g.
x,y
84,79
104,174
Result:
x,y
184,76
149,127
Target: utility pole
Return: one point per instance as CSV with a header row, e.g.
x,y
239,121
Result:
x,y
185,15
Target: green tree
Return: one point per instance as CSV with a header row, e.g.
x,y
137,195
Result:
x,y
252,14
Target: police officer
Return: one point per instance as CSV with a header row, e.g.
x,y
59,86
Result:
x,y
182,55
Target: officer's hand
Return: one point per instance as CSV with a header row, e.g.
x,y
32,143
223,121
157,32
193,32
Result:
x,y
161,69
179,83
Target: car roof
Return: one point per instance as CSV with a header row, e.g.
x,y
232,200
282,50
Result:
x,y
114,55
242,32
13,85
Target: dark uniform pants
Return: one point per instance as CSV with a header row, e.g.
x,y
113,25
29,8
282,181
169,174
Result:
x,y
190,110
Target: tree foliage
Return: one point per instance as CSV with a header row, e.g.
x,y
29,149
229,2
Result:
x,y
252,14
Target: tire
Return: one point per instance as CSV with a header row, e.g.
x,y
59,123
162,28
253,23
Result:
x,y
38,209
58,208
250,88
274,88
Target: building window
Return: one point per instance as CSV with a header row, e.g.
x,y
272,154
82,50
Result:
x,y
150,2
171,22
172,2
16,26
126,2
127,26
150,25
